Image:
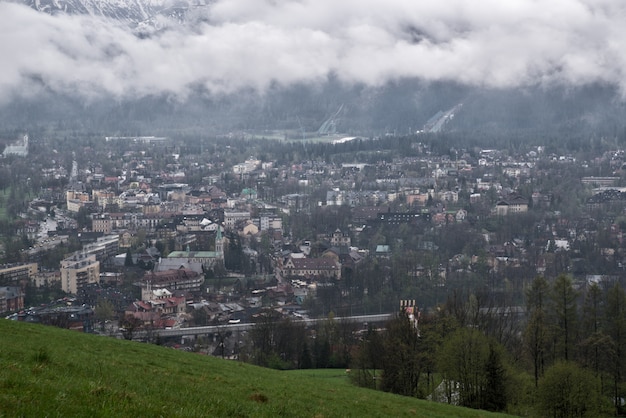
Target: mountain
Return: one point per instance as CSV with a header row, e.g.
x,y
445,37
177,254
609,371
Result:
x,y
164,66
400,108
141,15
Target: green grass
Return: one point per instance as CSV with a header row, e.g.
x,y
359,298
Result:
x,y
335,378
45,371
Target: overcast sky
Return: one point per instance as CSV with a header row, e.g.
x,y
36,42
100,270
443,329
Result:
x,y
253,43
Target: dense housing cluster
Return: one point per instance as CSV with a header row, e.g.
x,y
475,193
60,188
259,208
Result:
x,y
145,235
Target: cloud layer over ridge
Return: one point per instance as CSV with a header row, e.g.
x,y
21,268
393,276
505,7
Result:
x,y
257,43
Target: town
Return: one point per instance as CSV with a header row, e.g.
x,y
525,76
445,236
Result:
x,y
174,236
283,253
419,199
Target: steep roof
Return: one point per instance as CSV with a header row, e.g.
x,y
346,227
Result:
x,y
323,263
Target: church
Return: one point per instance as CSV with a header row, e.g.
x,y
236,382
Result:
x,y
198,261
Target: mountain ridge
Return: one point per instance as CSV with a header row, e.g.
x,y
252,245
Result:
x,y
140,15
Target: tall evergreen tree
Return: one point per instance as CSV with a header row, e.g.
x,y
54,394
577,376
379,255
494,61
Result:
x,y
128,261
537,294
616,330
400,360
535,342
535,334
233,256
593,309
596,348
564,307
495,398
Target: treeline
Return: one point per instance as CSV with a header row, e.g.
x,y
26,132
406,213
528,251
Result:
x,y
560,355
399,107
373,149
282,343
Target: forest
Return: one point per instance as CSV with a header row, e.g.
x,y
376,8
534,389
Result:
x,y
560,355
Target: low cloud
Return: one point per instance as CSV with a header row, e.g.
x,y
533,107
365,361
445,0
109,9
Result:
x,y
253,44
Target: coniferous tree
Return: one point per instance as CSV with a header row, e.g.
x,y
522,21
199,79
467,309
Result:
x,y
616,330
321,352
535,334
234,256
495,398
596,348
564,307
305,361
128,261
400,359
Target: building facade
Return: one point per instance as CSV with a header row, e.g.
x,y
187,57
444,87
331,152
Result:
x,y
312,268
79,271
14,274
11,299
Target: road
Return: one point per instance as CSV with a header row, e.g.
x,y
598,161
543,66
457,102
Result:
x,y
211,329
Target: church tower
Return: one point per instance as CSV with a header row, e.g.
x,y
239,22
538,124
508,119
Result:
x,y
219,243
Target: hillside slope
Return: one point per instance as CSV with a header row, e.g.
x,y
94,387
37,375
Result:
x,y
46,371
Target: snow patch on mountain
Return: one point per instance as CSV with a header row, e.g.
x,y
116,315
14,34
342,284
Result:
x,y
144,16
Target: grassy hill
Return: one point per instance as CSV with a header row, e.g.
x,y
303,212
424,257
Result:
x,y
45,371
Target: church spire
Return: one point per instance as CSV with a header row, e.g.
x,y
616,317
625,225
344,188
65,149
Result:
x,y
219,242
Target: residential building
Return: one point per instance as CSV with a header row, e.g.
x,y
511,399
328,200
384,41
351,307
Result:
x,y
340,239
514,204
111,278
101,223
247,166
103,198
249,229
600,181
178,279
270,221
76,200
161,301
14,274
324,267
103,248
231,218
78,271
173,191
42,279
11,299
448,196
398,218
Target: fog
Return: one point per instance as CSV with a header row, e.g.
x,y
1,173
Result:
x,y
233,45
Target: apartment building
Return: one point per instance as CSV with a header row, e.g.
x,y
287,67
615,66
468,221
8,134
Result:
x,y
78,271
14,274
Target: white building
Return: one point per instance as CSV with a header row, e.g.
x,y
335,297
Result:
x,y
78,271
19,148
232,217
